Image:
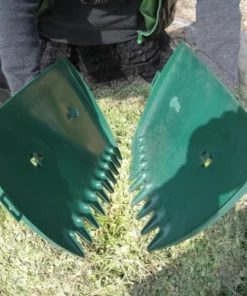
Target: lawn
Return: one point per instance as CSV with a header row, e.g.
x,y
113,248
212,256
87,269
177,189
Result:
x,y
214,263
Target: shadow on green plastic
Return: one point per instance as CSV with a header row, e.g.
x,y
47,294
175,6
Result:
x,y
185,196
197,196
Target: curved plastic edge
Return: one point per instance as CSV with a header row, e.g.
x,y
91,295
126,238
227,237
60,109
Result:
x,y
228,206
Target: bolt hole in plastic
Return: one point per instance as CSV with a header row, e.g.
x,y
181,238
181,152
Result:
x,y
206,159
73,113
36,159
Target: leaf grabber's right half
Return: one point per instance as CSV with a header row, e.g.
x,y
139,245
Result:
x,y
189,160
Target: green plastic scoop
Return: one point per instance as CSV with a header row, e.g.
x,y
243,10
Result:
x,y
57,156
189,155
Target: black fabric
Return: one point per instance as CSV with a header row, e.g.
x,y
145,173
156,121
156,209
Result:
x,y
76,23
106,63
96,2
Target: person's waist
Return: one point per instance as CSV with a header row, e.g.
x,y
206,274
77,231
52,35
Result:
x,y
88,37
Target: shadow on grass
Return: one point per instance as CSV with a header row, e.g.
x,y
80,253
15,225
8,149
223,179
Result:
x,y
213,265
216,264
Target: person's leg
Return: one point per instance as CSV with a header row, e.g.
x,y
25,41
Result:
x,y
50,53
218,25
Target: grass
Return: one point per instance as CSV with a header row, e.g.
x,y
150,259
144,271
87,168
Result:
x,y
214,263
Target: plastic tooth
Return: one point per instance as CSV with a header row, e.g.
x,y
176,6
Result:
x,y
136,184
107,185
104,176
75,247
133,146
112,159
153,245
118,153
81,229
97,186
142,149
134,154
151,225
144,165
135,157
104,166
91,196
97,206
136,139
111,177
147,209
106,157
84,234
142,158
140,140
136,148
113,168
139,159
100,174
160,239
135,175
114,151
132,169
103,196
140,143
108,167
91,219
134,164
142,194
115,161
138,166
110,150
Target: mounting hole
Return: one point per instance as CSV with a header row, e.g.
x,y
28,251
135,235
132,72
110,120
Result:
x,y
206,159
72,113
204,154
36,159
